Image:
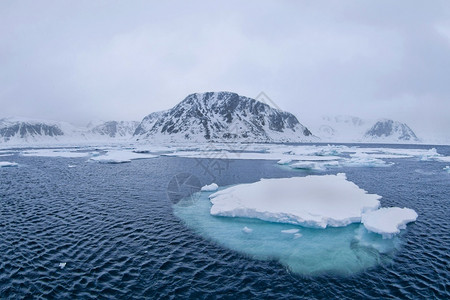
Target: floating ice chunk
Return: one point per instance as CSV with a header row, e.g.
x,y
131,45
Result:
x,y
303,165
284,161
297,235
120,156
443,158
291,231
62,265
388,221
447,168
311,201
365,160
210,188
5,164
247,230
71,166
55,153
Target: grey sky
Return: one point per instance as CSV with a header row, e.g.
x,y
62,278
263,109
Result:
x,y
81,60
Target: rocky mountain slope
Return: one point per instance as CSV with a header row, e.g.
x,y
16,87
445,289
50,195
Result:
x,y
222,117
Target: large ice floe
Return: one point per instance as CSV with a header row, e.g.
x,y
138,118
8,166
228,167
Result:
x,y
313,225
67,153
313,201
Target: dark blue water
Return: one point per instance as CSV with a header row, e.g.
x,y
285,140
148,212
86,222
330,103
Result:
x,y
114,228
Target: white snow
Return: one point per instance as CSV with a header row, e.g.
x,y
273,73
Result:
x,y
210,188
388,221
120,156
4,164
312,201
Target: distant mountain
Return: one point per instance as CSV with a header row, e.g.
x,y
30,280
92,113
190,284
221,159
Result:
x,y
22,130
30,130
222,117
353,129
391,131
115,129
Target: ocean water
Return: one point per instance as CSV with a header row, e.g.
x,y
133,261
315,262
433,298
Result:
x,y
113,231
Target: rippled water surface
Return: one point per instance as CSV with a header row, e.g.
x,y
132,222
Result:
x,y
109,231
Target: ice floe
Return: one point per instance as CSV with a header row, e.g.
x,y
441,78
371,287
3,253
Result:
x,y
309,251
388,221
210,188
447,168
55,153
313,201
5,164
120,156
247,230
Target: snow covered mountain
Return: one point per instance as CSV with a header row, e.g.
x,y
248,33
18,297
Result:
x,y
115,129
18,130
32,131
389,130
353,129
222,117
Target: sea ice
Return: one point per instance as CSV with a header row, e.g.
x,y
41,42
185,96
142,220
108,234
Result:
x,y
4,164
210,188
312,201
315,251
291,231
54,153
447,168
388,221
247,230
120,156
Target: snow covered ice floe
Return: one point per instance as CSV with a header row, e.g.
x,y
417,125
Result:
x,y
303,250
312,201
388,221
210,188
5,164
120,156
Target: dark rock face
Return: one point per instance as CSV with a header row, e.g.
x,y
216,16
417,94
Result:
x,y
390,128
223,116
24,130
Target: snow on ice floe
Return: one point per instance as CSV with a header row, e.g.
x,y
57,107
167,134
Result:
x,y
120,156
55,153
210,188
388,221
5,164
312,201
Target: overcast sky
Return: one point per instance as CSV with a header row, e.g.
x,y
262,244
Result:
x,y
78,61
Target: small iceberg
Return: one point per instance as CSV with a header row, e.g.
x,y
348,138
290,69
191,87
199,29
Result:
x,y
388,221
247,230
62,265
210,188
118,157
6,164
